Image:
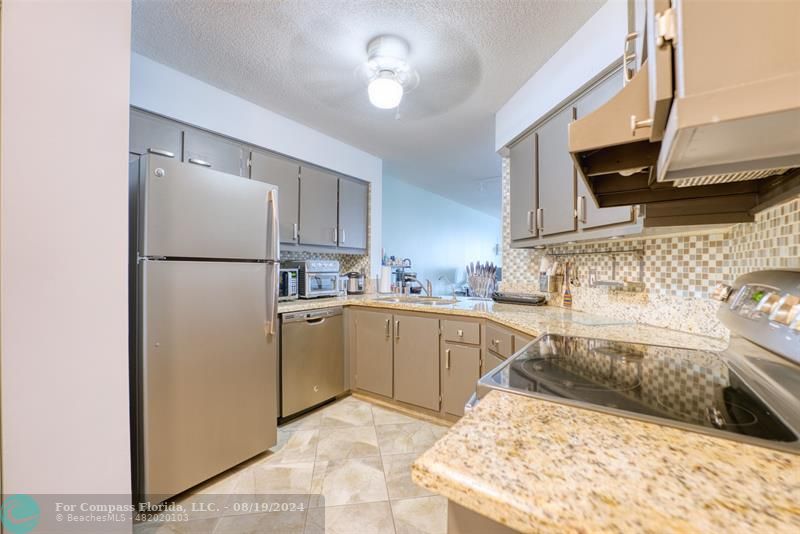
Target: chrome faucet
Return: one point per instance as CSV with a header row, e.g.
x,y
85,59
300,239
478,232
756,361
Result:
x,y
451,284
427,288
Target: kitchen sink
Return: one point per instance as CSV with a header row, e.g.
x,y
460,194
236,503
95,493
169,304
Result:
x,y
430,301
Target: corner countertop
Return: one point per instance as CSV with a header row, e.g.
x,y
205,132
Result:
x,y
531,320
538,466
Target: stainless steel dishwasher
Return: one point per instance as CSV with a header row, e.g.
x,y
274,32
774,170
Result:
x,y
312,358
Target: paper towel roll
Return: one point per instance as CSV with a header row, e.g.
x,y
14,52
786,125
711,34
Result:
x,y
385,284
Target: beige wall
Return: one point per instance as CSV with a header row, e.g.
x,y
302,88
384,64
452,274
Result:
x,y
63,239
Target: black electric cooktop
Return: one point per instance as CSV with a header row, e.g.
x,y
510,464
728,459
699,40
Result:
x,y
689,387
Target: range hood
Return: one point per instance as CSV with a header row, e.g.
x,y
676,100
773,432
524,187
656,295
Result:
x,y
712,114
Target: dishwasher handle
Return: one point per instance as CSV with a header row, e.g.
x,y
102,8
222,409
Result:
x,y
312,317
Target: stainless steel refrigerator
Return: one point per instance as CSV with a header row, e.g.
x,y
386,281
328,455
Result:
x,y
204,273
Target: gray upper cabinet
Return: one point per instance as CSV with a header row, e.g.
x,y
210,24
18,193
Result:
x,y
353,202
153,135
523,188
556,176
285,174
213,151
590,215
318,207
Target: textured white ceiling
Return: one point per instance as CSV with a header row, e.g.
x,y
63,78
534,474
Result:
x,y
299,57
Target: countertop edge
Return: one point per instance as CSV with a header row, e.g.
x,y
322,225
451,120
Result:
x,y
646,333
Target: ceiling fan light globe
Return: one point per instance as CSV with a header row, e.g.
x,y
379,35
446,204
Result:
x,y
385,93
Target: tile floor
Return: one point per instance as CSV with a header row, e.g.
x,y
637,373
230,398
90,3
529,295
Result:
x,y
351,462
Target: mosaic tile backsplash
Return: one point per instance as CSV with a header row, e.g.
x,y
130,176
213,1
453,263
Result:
x,y
678,272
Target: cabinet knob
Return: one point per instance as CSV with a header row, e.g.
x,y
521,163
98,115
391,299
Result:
x,y
460,333
636,124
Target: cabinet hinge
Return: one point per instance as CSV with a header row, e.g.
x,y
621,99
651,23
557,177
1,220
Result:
x,y
665,27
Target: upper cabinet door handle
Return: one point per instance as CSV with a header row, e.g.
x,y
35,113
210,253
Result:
x,y
540,218
294,232
582,209
201,162
342,234
627,75
161,152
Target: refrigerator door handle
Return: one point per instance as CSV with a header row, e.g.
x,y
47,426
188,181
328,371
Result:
x,y
273,231
273,269
271,280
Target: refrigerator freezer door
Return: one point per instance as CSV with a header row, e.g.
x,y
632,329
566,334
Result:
x,y
193,212
209,371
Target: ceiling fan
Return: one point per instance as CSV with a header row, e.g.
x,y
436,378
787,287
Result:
x,y
386,73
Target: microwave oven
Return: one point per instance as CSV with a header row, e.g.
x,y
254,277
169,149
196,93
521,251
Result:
x,y
288,284
317,278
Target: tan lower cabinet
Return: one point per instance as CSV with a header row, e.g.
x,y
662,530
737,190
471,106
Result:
x,y
416,360
373,351
501,343
423,359
520,341
490,361
460,372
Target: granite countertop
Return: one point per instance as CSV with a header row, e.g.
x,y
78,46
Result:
x,y
531,320
538,466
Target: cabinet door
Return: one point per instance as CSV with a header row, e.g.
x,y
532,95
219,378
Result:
x,y
373,346
461,368
590,215
213,151
416,361
520,341
318,207
153,135
490,361
523,188
556,176
353,201
284,173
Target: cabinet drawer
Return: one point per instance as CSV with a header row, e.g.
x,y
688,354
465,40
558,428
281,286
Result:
x,y
499,341
462,332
